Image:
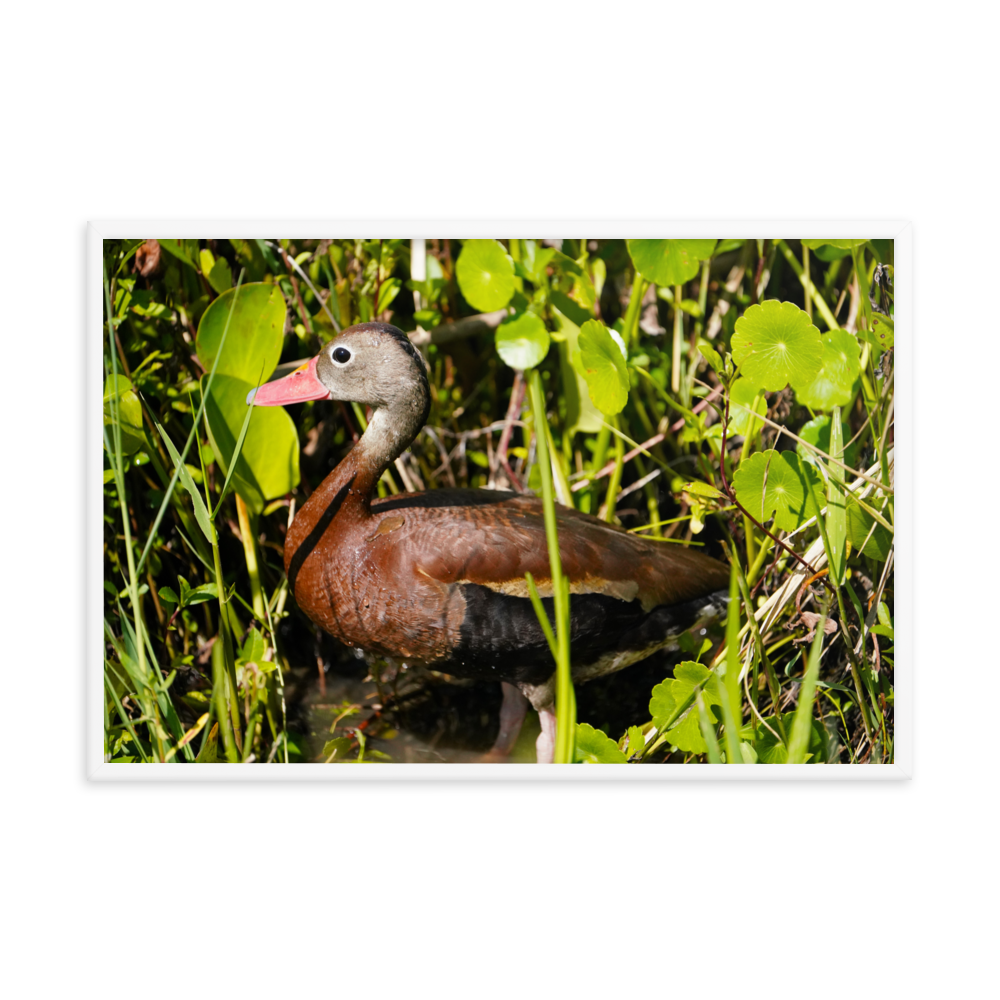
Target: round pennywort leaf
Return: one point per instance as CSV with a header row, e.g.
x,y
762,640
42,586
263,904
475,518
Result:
x,y
485,275
833,384
522,341
669,262
780,484
776,343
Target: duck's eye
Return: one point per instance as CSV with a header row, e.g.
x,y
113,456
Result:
x,y
341,355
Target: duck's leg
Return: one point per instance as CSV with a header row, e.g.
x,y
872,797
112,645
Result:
x,y
512,712
542,698
545,745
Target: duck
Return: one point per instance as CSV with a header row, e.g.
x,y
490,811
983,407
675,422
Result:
x,y
437,578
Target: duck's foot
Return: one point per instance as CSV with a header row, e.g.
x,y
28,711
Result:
x,y
512,713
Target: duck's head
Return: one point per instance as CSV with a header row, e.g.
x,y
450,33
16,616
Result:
x,y
371,363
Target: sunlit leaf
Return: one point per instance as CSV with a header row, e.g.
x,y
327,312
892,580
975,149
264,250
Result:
x,y
711,355
485,275
220,277
882,333
669,262
594,747
775,344
268,466
833,384
668,696
699,489
581,414
780,484
121,395
603,367
522,341
256,332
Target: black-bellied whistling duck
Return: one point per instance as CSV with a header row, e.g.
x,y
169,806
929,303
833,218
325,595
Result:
x,y
438,578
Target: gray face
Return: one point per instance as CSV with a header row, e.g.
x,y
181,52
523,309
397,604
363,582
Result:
x,y
366,364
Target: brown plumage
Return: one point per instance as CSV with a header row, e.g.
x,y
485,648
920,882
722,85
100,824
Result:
x,y
439,577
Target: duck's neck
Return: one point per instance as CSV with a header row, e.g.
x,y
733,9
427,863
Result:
x,y
388,435
344,497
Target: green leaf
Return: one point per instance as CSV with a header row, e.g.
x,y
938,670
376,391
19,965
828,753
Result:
x,y
771,750
176,249
776,343
388,291
859,524
209,753
268,465
839,244
696,488
337,748
603,367
817,432
256,332
120,394
184,478
669,262
741,399
883,332
636,741
677,695
594,747
711,355
828,254
198,595
143,305
574,312
522,341
485,275
581,414
167,595
780,484
254,647
836,515
833,384
221,277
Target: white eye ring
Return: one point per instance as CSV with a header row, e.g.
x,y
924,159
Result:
x,y
340,355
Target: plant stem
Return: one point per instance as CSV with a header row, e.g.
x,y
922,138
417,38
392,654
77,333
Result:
x,y
822,308
615,482
565,696
248,530
675,363
630,326
228,724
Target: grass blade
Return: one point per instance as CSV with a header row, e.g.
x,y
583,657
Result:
x,y
798,744
194,430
